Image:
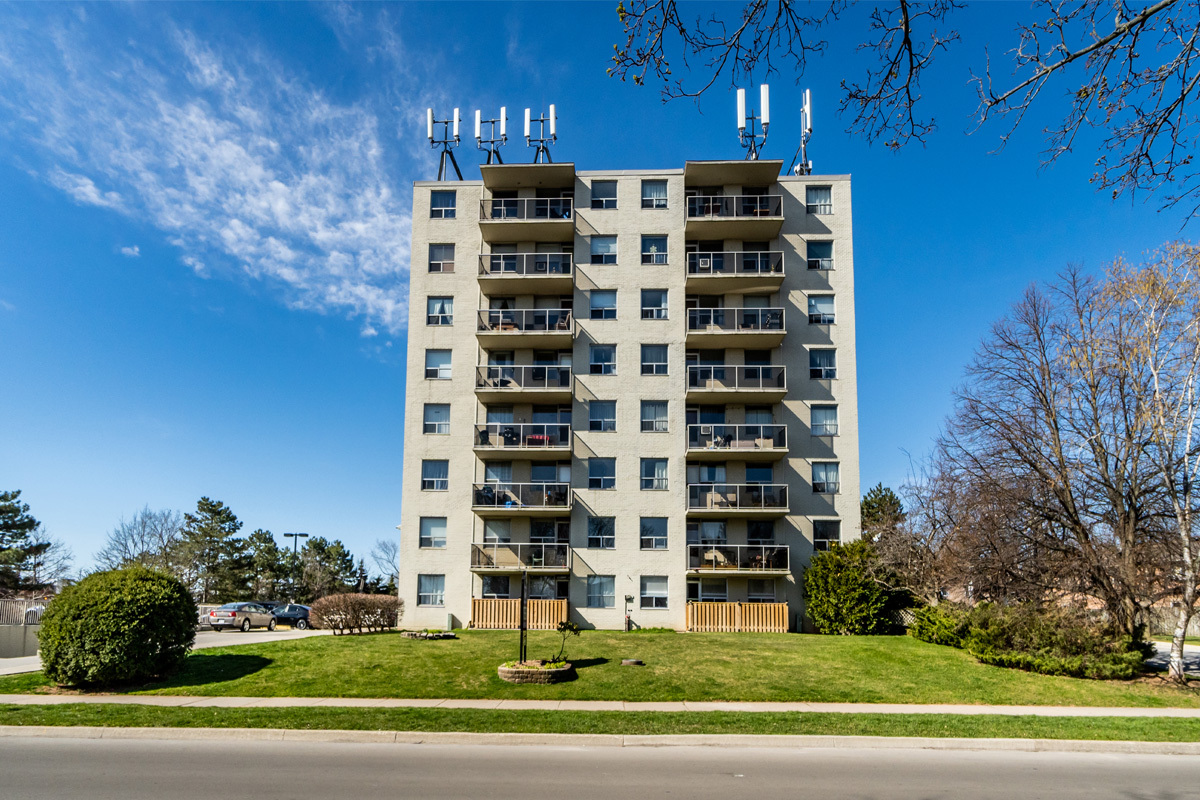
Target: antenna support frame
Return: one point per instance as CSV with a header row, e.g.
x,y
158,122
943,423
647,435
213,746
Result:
x,y
447,140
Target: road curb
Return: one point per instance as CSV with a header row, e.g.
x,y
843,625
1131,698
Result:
x,y
601,740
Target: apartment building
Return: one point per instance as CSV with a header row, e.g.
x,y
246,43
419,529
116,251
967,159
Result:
x,y
632,390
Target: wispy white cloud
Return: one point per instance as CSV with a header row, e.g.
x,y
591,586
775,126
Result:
x,y
132,252
243,165
6,306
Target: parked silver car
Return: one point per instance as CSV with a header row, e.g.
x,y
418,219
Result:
x,y
242,616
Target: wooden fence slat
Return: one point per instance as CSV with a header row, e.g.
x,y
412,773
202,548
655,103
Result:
x,y
716,617
505,613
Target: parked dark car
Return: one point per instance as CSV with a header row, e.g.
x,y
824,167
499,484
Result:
x,y
294,615
242,616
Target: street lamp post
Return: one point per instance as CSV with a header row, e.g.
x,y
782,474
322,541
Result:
x,y
295,537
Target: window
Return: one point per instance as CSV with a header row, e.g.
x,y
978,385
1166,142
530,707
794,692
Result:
x,y
603,304
654,194
545,588
708,590
824,421
437,418
654,416
549,531
822,364
820,255
820,309
435,476
826,532
437,365
825,478
654,303
433,532
431,590
654,591
654,249
601,533
604,194
439,311
441,258
497,531
604,249
601,591
818,199
550,473
654,474
442,205
495,587
654,359
603,359
760,590
602,473
654,533
710,532
602,415
760,473
760,531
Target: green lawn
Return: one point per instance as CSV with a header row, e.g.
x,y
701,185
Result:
x,y
692,666
610,722
1186,639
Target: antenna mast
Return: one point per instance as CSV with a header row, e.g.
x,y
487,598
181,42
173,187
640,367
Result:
x,y
542,142
447,140
492,143
804,167
749,137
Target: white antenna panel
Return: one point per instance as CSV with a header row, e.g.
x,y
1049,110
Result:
x,y
553,121
478,125
503,122
764,93
741,109
808,111
429,123
456,123
527,123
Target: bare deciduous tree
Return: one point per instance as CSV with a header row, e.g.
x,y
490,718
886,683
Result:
x,y
386,555
150,539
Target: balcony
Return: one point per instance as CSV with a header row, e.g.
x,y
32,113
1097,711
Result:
x,y
520,499
747,216
504,557
534,441
732,559
759,328
712,617
503,382
530,327
525,273
736,383
527,219
737,442
734,271
505,613
738,499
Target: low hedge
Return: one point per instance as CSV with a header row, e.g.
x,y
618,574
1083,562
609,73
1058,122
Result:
x,y
356,613
1050,641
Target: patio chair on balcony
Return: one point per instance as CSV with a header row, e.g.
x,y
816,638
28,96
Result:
x,y
485,496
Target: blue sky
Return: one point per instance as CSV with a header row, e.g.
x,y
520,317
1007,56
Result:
x,y
205,211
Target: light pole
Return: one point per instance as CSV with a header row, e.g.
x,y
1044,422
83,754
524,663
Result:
x,y
295,537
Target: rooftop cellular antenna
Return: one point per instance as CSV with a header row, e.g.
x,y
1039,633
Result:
x,y
491,143
542,142
800,163
749,136
446,139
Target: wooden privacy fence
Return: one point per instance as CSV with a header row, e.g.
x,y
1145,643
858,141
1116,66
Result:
x,y
544,615
737,617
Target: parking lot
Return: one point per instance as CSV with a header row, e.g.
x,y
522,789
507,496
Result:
x,y
226,638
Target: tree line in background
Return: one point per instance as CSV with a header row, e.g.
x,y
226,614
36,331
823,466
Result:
x,y
1068,472
204,549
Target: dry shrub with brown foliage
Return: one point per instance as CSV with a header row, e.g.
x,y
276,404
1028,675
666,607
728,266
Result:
x,y
355,613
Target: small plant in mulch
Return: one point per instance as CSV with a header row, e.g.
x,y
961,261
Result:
x,y
565,629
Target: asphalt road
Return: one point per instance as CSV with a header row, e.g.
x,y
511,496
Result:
x,y
227,638
34,769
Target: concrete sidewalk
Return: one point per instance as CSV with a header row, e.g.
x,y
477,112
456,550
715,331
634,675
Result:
x,y
177,701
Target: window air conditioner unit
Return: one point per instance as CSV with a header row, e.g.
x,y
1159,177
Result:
x,y
705,263
706,430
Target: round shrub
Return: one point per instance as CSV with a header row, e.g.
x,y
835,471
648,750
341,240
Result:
x,y
115,627
842,597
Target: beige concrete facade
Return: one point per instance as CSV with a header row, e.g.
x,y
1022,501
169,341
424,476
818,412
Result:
x,y
736,400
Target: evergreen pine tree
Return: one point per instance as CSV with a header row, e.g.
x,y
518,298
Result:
x,y
207,544
19,546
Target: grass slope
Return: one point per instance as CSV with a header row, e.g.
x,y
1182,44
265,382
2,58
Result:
x,y
611,722
746,667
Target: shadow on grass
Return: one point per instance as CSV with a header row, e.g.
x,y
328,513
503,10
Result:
x,y
201,669
584,663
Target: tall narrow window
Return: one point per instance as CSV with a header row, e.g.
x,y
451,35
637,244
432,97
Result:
x,y
654,359
825,478
818,199
441,258
654,249
602,415
820,255
760,590
822,364
654,416
654,194
604,194
604,249
437,365
820,309
603,359
495,587
824,420
654,303
437,418
431,590
435,476
601,591
654,591
654,474
439,311
826,533
603,304
601,533
602,473
433,532
654,533
442,204
760,531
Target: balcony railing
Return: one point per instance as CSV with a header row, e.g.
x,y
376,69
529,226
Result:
x,y
748,557
734,206
527,208
529,320
736,262
735,319
736,377
503,555
505,265
522,495
737,496
516,378
517,435
733,437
